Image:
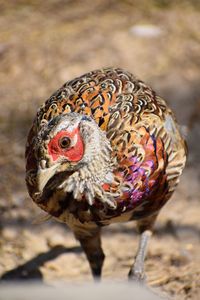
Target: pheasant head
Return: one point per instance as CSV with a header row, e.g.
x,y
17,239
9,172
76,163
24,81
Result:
x,y
73,155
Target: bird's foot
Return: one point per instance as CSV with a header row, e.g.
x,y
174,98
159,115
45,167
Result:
x,y
137,276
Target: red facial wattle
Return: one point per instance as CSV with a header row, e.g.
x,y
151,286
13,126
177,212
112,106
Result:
x,y
74,153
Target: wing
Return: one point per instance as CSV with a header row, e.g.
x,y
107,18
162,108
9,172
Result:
x,y
150,153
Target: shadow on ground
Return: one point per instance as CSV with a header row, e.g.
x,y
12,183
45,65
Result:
x,y
30,270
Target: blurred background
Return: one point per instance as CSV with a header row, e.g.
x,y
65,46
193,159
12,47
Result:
x,y
42,45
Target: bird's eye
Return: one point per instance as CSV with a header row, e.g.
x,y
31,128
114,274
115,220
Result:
x,y
64,142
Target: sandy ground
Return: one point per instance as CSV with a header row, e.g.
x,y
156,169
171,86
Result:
x,y
44,44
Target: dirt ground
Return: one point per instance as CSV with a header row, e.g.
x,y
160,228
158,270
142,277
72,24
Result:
x,y
42,45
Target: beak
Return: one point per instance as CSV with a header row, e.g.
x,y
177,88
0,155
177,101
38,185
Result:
x,y
44,175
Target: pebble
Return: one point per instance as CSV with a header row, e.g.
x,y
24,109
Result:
x,y
146,31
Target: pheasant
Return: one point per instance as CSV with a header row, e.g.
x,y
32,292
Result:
x,y
104,148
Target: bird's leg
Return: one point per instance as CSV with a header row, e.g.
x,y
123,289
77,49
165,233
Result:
x,y
137,270
92,248
145,228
